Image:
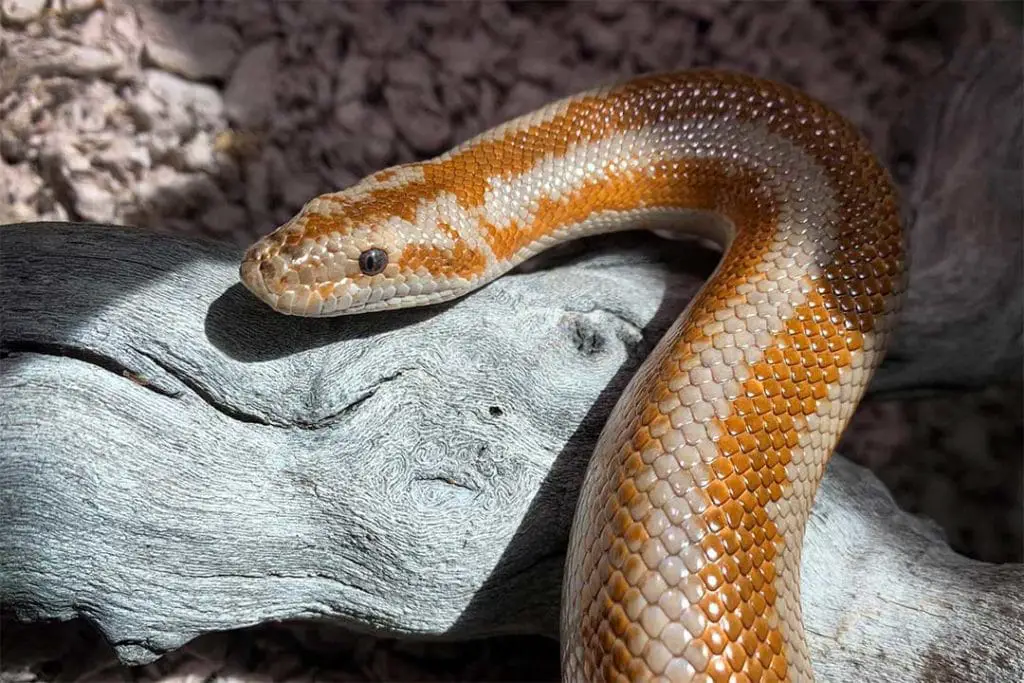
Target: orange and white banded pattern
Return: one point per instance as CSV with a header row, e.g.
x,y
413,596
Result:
x,y
684,559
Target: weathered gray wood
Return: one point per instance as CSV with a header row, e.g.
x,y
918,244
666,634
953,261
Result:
x,y
961,142
177,459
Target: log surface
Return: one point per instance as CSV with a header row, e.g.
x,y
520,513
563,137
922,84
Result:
x,y
177,459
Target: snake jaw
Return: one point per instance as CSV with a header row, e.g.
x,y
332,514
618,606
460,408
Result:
x,y
305,300
319,278
251,275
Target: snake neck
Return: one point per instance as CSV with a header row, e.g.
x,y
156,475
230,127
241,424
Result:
x,y
662,151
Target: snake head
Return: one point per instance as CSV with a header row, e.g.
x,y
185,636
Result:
x,y
355,252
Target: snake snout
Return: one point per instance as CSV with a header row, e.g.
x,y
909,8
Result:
x,y
258,271
297,276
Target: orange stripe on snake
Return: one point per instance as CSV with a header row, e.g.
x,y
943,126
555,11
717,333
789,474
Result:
x,y
684,557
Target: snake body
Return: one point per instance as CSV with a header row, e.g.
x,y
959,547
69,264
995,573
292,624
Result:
x,y
684,556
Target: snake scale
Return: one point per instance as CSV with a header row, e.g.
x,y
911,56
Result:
x,y
684,557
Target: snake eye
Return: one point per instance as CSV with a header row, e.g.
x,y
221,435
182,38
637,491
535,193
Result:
x,y
373,261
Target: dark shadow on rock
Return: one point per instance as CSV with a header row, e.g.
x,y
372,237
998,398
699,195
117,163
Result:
x,y
67,651
236,313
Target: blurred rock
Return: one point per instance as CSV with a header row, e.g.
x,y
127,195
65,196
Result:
x,y
249,98
50,57
197,52
188,106
21,11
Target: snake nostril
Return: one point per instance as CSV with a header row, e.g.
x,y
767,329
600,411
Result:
x,y
267,271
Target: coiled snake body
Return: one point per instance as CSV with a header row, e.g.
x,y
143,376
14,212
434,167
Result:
x,y
684,558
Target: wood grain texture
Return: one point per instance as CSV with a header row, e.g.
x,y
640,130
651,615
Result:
x,y
177,462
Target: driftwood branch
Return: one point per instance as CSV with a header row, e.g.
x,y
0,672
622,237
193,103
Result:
x,y
177,459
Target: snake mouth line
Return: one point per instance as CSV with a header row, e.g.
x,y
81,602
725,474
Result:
x,y
251,276
305,301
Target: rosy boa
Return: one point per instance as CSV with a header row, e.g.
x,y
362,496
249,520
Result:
x,y
684,558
